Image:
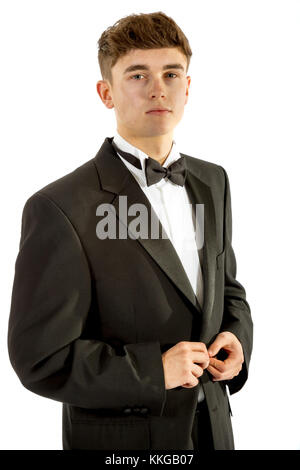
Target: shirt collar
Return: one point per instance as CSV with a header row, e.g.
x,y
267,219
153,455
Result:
x,y
124,145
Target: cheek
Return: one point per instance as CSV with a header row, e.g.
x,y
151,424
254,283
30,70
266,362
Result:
x,y
183,97
130,102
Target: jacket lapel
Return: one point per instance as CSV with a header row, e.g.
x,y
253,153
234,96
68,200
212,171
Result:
x,y
200,193
116,179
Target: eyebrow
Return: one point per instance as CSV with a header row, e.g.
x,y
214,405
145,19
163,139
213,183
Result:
x,y
134,67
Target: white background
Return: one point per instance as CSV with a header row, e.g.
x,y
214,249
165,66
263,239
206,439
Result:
x,y
243,113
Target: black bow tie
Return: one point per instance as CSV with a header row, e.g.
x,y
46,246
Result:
x,y
176,172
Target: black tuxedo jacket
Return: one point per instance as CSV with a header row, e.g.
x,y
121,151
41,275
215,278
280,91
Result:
x,y
90,317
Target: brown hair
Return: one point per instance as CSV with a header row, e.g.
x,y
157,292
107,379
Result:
x,y
139,31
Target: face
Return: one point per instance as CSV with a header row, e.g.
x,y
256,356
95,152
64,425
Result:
x,y
145,80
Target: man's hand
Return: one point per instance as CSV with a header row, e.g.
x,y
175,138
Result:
x,y
232,365
184,363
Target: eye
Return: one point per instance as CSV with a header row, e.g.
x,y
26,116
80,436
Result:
x,y
141,75
137,75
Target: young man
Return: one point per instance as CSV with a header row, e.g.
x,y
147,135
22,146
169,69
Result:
x,y
135,334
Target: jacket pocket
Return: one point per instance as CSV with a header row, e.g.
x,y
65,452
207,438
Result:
x,y
111,434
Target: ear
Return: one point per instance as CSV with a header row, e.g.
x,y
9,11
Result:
x,y
188,79
103,90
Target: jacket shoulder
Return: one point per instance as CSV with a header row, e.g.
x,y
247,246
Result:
x,y
209,172
72,189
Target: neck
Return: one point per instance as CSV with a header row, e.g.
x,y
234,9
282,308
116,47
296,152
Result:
x,y
157,147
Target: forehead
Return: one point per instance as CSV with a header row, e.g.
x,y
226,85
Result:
x,y
153,58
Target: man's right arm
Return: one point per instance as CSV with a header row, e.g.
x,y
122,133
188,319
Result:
x,y
50,303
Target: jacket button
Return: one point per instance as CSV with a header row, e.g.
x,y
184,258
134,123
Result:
x,y
136,410
127,411
144,411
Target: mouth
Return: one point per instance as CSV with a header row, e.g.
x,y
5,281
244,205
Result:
x,y
158,112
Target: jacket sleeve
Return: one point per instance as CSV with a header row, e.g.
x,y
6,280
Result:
x,y
237,314
50,303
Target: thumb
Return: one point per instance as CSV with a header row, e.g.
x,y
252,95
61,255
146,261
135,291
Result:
x,y
215,347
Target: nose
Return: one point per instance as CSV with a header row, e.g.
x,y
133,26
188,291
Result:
x,y
157,88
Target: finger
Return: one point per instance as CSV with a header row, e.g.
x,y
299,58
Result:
x,y
232,361
222,371
217,375
197,346
225,367
215,347
226,375
217,364
197,371
200,358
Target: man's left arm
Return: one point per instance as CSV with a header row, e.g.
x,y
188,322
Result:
x,y
236,332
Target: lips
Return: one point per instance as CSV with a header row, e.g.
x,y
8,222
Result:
x,y
159,108
158,111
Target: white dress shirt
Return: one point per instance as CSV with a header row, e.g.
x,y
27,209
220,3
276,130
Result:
x,y
172,205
